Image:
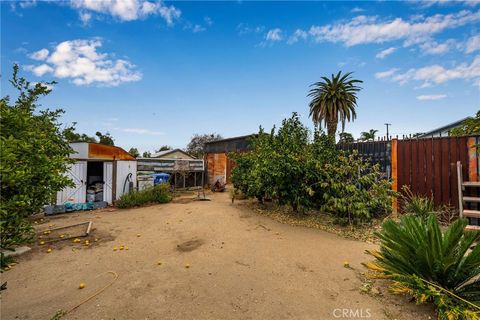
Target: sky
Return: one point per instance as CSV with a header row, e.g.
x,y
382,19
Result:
x,y
154,73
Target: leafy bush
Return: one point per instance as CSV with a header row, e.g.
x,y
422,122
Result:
x,y
34,156
353,190
291,169
157,194
431,265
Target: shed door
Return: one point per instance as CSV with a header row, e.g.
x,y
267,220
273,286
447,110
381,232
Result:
x,y
126,172
78,194
107,178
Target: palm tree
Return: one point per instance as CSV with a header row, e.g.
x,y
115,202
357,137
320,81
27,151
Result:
x,y
334,100
367,136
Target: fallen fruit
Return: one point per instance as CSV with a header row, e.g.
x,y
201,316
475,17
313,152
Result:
x,y
76,240
346,264
81,286
126,248
138,234
62,236
42,243
115,248
187,265
49,250
159,263
122,247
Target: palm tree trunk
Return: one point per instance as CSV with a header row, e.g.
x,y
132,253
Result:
x,y
332,129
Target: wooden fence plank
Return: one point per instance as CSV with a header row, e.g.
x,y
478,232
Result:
x,y
445,170
437,172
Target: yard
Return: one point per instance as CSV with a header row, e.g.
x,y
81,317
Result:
x,y
241,266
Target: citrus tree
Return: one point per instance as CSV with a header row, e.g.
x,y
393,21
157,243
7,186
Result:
x,y
34,155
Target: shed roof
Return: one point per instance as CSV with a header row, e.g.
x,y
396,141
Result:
x,y
444,128
97,151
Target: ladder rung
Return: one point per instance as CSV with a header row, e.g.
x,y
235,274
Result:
x,y
471,199
471,213
472,228
471,184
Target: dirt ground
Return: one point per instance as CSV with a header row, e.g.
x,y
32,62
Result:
x,y
241,266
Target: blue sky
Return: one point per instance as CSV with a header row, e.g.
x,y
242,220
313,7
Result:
x,y
154,73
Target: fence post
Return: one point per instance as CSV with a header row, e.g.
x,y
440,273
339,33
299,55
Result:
x,y
472,159
394,153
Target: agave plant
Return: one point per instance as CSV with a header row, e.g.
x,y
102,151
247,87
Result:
x,y
431,265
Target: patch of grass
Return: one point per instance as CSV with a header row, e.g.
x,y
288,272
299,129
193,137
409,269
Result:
x,y
157,194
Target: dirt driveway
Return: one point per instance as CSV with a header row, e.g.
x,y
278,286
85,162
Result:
x,y
242,266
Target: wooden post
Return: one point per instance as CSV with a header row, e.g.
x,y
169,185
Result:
x,y
472,159
394,151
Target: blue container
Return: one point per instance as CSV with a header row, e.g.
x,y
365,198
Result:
x,y
159,178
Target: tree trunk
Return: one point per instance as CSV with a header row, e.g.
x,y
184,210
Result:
x,y
332,129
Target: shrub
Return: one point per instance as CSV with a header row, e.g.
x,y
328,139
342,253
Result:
x,y
419,206
431,265
293,170
354,191
157,194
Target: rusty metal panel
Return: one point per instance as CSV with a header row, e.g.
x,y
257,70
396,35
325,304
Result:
x,y
103,152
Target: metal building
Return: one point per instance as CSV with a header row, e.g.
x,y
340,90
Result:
x,y
100,173
219,166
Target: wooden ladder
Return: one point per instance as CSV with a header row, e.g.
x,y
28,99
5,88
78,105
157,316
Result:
x,y
462,199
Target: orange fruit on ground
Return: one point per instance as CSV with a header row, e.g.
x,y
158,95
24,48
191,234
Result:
x,y
81,286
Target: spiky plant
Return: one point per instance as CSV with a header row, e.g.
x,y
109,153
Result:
x,y
431,265
422,207
334,100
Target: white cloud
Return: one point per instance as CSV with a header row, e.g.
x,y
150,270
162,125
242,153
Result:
x,y
85,17
143,131
198,28
436,74
274,35
243,28
80,61
299,34
365,29
386,74
473,44
432,97
39,55
432,47
208,21
429,3
357,10
128,10
382,54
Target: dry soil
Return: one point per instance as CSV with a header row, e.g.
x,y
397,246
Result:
x,y
241,266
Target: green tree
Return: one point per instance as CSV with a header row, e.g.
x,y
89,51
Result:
x,y
73,136
34,156
134,152
106,138
368,136
196,146
346,137
334,100
164,148
146,154
468,127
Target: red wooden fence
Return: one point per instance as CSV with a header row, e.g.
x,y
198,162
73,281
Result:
x,y
428,166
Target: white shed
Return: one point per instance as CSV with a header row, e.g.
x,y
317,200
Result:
x,y
100,173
